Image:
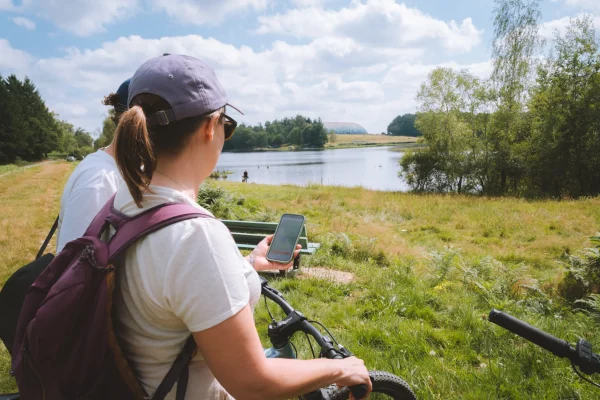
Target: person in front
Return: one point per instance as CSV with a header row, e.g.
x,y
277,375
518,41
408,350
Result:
x,y
190,276
92,182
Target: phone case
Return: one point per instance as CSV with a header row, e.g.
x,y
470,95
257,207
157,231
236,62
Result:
x,y
297,238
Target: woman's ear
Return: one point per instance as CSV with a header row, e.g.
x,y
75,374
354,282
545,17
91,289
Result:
x,y
208,128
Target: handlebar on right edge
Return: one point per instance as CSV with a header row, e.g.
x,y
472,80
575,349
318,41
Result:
x,y
558,347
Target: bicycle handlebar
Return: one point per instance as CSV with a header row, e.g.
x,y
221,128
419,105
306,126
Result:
x,y
558,347
358,391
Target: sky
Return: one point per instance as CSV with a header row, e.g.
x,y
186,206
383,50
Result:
x,y
343,61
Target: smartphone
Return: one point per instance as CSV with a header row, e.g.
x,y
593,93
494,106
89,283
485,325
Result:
x,y
285,239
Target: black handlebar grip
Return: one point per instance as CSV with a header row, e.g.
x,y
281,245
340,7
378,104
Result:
x,y
359,391
551,343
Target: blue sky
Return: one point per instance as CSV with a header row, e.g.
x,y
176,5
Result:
x,y
357,61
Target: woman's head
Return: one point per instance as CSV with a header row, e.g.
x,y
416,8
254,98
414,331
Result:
x,y
176,107
118,101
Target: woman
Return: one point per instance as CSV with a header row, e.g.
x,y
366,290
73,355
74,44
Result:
x,y
190,276
92,183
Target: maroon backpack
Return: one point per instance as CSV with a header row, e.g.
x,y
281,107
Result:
x,y
65,346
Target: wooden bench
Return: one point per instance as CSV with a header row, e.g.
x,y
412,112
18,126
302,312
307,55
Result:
x,y
248,234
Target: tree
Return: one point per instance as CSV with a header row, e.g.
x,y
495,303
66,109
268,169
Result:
x,y
295,136
83,138
30,131
277,141
404,125
564,152
108,131
514,45
8,151
332,136
453,117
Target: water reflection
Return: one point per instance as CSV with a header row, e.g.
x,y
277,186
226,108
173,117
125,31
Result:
x,y
373,168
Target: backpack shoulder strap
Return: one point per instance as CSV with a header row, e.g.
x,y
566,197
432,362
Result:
x,y
128,231
132,229
99,220
50,234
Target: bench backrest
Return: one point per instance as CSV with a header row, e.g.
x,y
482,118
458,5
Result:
x,y
251,233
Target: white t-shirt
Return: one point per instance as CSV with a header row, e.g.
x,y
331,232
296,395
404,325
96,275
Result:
x,y
186,277
89,187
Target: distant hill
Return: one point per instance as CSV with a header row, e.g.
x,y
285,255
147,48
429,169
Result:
x,y
345,128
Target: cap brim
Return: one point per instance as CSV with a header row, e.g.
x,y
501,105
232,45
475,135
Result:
x,y
235,108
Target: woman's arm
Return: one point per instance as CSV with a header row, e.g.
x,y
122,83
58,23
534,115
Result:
x,y
234,354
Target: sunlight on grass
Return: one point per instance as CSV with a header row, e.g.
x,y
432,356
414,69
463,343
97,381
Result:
x,y
428,269
29,203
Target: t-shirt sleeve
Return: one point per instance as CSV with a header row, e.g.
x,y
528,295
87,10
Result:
x,y
81,208
205,282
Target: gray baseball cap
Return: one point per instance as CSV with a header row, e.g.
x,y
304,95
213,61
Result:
x,y
188,84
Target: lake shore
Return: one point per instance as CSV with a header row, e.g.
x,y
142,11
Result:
x,y
347,142
427,269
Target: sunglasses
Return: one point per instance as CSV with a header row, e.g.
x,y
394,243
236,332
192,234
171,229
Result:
x,y
230,125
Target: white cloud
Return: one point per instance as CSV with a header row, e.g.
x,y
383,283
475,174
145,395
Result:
x,y
24,22
547,29
376,23
197,12
83,18
333,78
13,60
307,3
6,5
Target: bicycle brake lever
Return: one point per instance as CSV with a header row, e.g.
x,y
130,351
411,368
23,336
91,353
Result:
x,y
344,351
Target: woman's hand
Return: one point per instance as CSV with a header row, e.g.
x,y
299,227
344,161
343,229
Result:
x,y
260,260
354,373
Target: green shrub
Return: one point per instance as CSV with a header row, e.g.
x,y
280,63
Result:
x,y
226,205
583,275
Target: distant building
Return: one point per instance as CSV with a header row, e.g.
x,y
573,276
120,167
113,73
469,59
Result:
x,y
345,128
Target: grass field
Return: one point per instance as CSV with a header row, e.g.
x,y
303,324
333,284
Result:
x,y
427,271
364,140
29,203
8,168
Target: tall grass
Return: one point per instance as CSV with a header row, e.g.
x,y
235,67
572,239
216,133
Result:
x,y
29,203
428,270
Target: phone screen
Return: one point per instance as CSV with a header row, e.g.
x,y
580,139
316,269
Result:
x,y
284,243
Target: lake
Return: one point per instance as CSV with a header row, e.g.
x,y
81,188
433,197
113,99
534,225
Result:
x,y
372,167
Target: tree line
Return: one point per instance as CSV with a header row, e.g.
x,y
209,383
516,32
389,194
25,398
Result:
x,y
404,125
29,131
532,129
299,131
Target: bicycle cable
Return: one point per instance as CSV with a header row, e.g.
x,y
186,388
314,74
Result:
x,y
583,377
295,349
310,344
268,310
326,330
